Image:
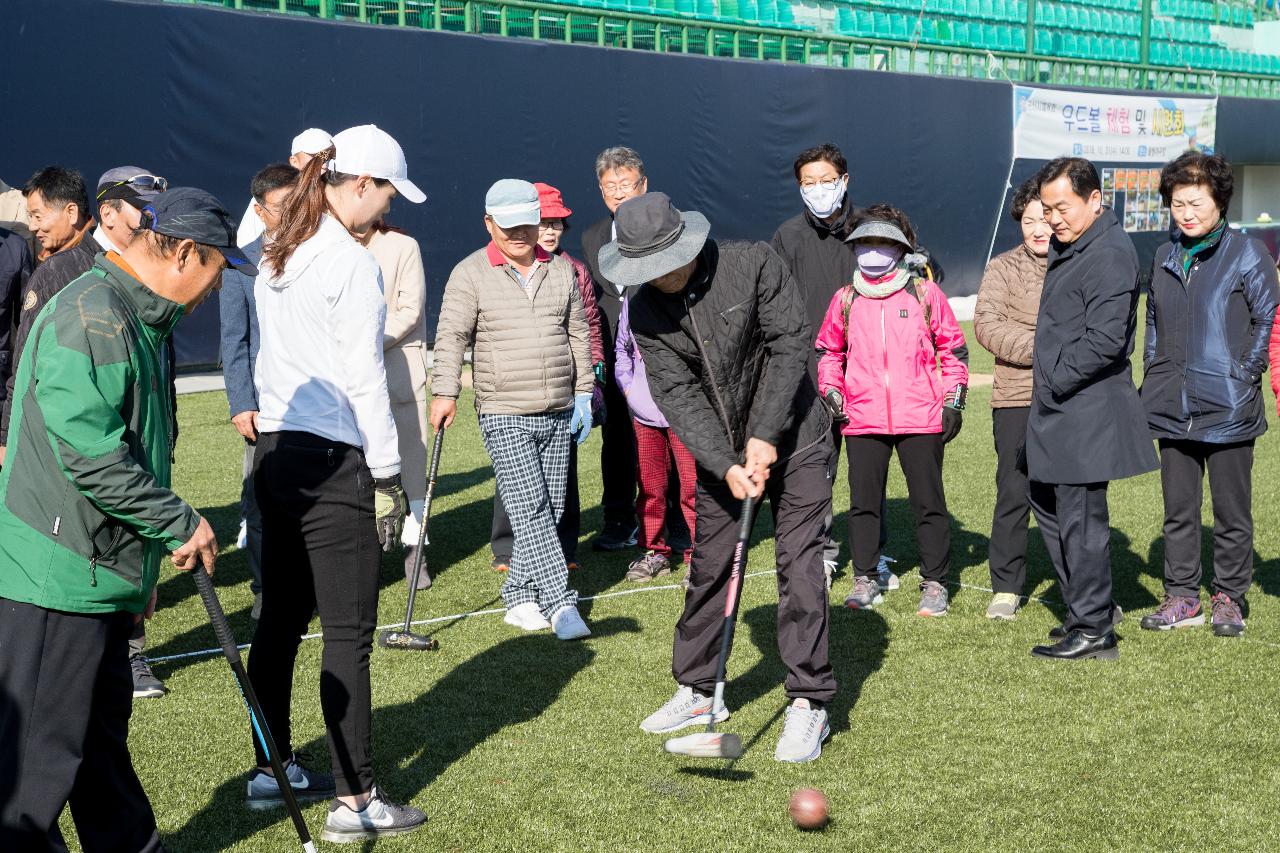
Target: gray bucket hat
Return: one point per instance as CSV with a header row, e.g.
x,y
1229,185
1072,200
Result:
x,y
881,230
653,238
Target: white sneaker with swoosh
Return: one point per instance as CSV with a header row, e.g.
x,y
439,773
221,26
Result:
x,y
379,817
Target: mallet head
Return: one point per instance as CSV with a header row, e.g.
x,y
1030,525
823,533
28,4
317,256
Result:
x,y
407,641
706,745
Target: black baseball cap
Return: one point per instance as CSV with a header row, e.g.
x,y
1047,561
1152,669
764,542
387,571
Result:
x,y
187,213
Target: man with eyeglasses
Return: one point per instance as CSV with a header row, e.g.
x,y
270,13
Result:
x,y
620,172
305,146
121,195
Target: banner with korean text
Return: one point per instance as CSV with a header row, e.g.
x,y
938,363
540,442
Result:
x,y
1109,128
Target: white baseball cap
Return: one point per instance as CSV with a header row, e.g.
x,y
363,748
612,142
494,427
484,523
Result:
x,y
313,140
368,150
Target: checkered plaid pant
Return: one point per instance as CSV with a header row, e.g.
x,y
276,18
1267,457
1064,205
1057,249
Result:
x,y
530,456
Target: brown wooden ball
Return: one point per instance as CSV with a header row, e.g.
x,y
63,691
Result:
x,y
809,809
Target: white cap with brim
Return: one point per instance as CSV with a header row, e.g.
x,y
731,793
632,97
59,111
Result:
x,y
313,140
369,150
512,202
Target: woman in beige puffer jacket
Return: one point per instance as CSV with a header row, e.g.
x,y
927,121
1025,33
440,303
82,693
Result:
x,y
1005,323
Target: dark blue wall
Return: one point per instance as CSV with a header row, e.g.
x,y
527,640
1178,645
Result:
x,y
207,96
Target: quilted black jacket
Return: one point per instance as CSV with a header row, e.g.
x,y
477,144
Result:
x,y
744,309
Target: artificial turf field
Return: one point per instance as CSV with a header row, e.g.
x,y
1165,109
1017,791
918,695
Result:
x,y
946,733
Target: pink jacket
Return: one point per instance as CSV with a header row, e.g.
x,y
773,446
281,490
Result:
x,y
892,381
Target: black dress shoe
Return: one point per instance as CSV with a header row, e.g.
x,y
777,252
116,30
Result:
x,y
1078,645
1117,616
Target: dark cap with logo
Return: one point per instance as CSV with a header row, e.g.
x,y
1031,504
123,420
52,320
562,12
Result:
x,y
187,213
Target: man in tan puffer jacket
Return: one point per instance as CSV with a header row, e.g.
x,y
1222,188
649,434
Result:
x,y
1005,323
531,371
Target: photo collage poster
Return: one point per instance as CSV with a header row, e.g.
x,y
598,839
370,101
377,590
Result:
x,y
1134,196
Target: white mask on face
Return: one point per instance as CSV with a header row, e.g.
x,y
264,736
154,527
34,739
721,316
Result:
x,y
823,202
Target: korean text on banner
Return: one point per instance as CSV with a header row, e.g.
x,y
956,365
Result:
x,y
1049,123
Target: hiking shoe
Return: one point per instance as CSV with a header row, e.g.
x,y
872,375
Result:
x,y
803,733
1117,616
568,625
885,577
526,616
264,792
1176,611
687,708
145,683
616,536
379,817
501,564
1004,605
1227,619
865,594
648,567
828,572
933,599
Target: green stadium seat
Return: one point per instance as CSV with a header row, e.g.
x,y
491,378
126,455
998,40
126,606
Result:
x,y
1043,41
866,24
749,11
986,9
766,12
786,14
880,26
728,10
929,31
1003,38
960,35
900,27
845,21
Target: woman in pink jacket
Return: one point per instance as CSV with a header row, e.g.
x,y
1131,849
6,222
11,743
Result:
x,y
893,370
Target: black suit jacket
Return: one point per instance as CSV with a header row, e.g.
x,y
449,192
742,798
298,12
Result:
x,y
1087,424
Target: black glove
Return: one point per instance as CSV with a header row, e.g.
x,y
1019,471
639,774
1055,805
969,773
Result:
x,y
834,401
952,420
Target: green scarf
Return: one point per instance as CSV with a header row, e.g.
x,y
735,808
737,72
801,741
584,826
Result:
x,y
883,287
1207,242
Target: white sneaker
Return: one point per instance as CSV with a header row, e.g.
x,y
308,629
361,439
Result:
x,y
526,617
885,578
568,625
687,708
242,538
803,733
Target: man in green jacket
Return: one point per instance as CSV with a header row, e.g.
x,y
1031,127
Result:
x,y
86,514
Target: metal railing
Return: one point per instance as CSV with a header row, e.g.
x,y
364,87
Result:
x,y
670,31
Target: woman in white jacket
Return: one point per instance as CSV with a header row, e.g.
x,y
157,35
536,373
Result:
x,y
327,469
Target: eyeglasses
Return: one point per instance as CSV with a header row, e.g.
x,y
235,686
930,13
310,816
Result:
x,y
153,183
826,185
621,186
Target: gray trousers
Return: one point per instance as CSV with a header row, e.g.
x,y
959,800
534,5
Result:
x,y
253,519
530,456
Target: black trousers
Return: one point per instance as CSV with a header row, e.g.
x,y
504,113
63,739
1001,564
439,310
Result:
x,y
319,550
501,537
1182,467
66,693
1007,553
831,546
799,492
921,459
617,455
1076,526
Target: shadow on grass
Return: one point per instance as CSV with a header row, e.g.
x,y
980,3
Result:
x,y
1266,573
416,741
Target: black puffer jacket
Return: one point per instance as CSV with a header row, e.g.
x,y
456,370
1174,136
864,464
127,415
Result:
x,y
1207,337
743,306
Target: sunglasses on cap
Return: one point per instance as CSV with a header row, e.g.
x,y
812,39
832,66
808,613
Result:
x,y
153,183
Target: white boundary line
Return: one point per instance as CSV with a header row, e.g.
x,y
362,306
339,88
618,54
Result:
x,y
617,594
455,616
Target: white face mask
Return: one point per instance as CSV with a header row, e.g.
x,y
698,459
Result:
x,y
823,200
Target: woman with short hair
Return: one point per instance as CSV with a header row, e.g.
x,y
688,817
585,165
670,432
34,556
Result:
x,y
1005,323
1209,315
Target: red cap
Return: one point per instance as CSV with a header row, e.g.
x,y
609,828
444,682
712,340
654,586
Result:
x,y
551,202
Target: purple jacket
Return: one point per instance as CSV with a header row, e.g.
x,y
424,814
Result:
x,y
629,373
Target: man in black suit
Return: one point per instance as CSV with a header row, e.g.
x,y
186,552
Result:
x,y
1087,425
620,172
